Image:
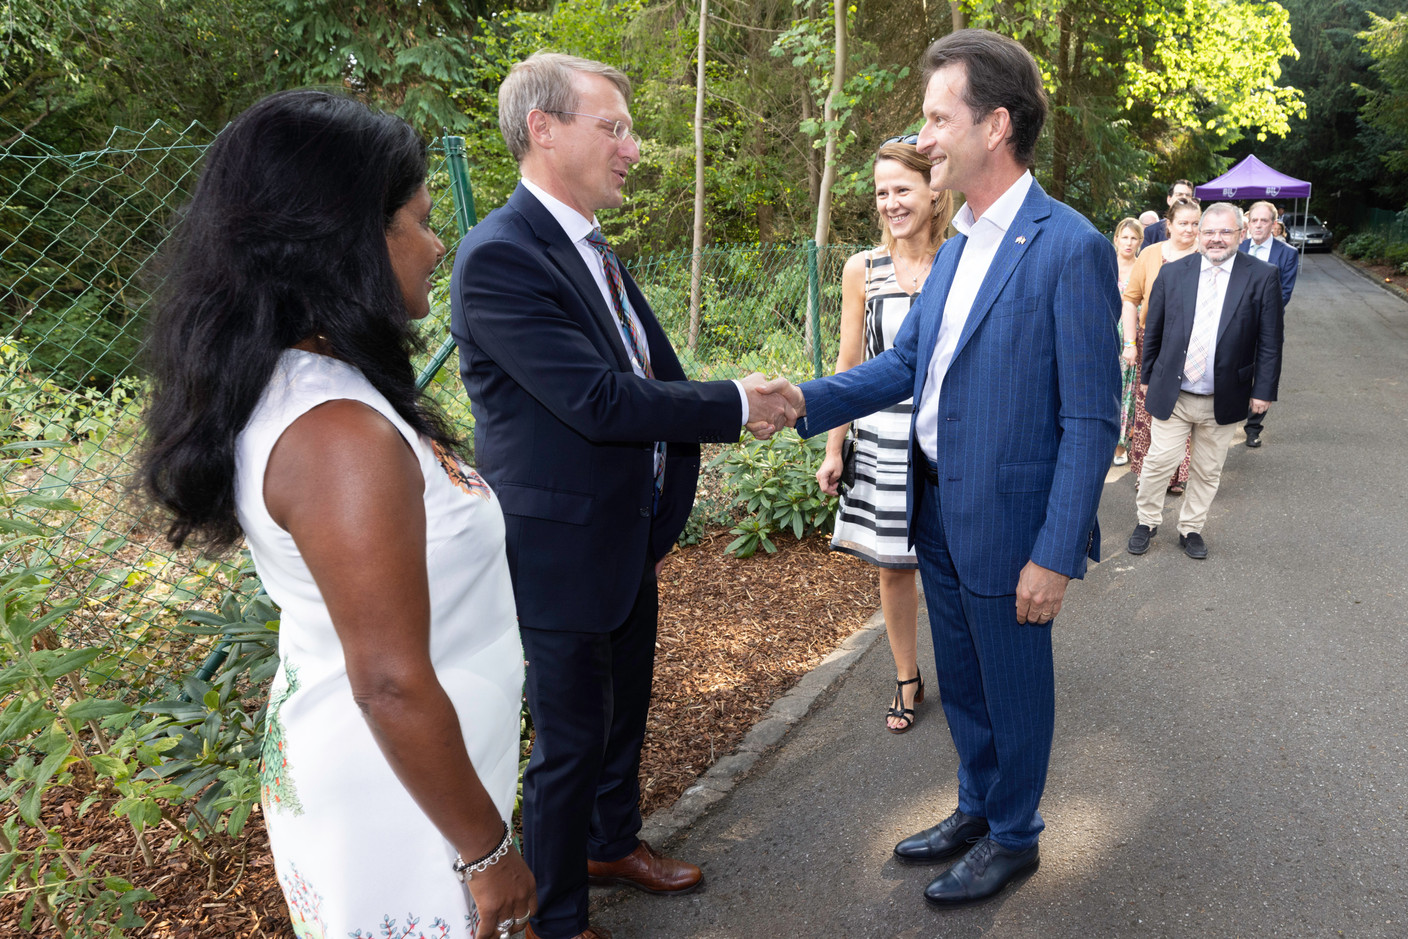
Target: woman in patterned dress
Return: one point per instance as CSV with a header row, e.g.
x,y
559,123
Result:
x,y
877,290
1182,240
1129,234
284,409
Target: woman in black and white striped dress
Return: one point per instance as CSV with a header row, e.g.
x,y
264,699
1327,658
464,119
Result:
x,y
877,289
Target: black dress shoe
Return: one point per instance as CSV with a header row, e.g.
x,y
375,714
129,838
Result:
x,y
949,838
1139,541
1193,546
983,872
1253,440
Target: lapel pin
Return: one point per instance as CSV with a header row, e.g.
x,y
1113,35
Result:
x,y
1021,239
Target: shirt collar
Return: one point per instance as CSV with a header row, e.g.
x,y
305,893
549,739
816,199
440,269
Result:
x,y
1000,213
1225,266
573,222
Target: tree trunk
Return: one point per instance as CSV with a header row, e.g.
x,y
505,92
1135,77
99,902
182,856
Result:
x,y
696,263
1062,125
828,174
955,13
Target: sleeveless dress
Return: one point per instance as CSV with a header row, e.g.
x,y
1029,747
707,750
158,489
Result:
x,y
355,855
871,521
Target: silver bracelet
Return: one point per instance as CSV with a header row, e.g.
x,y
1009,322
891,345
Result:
x,y
465,872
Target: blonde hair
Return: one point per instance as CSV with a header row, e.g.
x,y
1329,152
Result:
x,y
910,158
1130,223
543,81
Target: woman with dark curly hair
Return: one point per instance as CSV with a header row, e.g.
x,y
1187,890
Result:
x,y
284,409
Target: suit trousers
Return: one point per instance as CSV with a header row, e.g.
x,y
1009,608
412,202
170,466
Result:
x,y
997,686
1192,417
588,694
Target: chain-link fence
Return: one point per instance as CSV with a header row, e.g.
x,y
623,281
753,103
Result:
x,y
78,233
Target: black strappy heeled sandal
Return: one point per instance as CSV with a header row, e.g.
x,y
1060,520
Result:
x,y
899,711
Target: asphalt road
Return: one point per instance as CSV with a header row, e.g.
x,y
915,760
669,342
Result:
x,y
1231,757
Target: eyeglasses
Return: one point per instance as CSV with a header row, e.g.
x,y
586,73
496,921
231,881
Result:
x,y
619,129
1224,232
911,139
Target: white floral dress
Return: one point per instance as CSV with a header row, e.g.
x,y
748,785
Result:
x,y
355,855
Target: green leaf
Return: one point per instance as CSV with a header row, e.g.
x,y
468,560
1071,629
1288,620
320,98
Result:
x,y
93,708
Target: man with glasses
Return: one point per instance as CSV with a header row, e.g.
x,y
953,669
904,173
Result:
x,y
1212,348
1158,231
589,434
1262,244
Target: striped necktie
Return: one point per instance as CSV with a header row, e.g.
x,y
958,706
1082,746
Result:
x,y
1205,319
635,345
640,354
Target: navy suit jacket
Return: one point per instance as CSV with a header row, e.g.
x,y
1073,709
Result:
x,y
1247,357
564,428
1287,262
1155,233
1029,413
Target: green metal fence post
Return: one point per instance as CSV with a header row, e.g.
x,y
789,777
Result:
x,y
463,193
814,305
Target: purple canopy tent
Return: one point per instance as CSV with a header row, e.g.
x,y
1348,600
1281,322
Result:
x,y
1253,179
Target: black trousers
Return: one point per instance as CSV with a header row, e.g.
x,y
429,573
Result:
x,y
588,694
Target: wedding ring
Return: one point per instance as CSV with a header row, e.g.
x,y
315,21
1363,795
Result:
x,y
505,928
523,920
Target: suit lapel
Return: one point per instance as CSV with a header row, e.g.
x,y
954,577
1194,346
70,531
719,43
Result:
x,y
933,300
564,256
1236,287
1016,241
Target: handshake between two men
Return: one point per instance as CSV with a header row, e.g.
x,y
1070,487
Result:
x,y
772,404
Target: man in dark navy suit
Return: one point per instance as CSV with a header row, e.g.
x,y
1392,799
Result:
x,y
1212,348
1011,362
589,434
1262,245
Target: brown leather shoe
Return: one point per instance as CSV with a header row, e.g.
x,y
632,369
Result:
x,y
646,870
591,932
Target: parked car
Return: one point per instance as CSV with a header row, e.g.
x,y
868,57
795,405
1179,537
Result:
x,y
1307,231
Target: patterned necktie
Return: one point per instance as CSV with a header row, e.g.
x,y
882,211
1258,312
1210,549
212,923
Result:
x,y
1205,319
636,346
640,355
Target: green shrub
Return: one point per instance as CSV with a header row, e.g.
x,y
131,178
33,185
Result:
x,y
774,482
1365,245
1396,253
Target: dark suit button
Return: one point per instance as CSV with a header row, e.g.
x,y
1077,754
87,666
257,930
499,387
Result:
x,y
645,511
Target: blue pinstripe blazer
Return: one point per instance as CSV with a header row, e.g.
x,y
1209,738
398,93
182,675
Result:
x,y
1030,410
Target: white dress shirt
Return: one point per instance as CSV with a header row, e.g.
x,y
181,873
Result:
x,y
578,227
984,235
1262,251
1204,385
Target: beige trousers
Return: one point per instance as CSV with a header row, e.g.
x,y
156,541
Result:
x,y
1192,415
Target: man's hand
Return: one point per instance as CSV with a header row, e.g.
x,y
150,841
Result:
x,y
1259,406
1039,594
1144,390
770,404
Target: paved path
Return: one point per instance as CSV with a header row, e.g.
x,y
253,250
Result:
x,y
1231,754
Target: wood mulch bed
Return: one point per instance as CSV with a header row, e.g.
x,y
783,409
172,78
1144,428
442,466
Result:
x,y
735,634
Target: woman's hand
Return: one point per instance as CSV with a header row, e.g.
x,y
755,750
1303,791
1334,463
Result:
x,y
830,473
503,892
1130,355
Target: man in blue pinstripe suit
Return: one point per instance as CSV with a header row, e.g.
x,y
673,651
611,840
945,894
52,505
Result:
x,y
1012,364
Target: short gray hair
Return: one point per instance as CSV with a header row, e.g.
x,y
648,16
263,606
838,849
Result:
x,y
544,81
1226,208
1256,205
